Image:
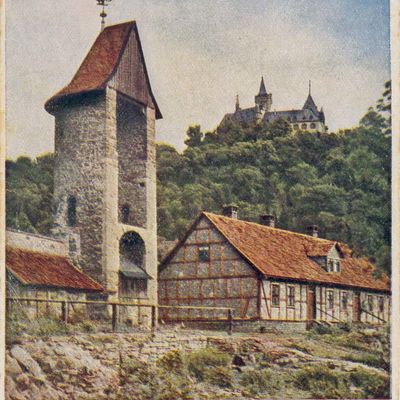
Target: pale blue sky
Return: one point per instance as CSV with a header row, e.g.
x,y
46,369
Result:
x,y
199,55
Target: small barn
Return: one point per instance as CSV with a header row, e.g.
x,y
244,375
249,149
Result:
x,y
268,276
38,267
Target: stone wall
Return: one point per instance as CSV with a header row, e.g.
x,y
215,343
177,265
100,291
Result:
x,y
80,163
34,242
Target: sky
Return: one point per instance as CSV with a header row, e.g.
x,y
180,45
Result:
x,y
199,55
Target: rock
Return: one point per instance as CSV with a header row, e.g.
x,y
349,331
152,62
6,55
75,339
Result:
x,y
25,359
12,366
23,382
238,361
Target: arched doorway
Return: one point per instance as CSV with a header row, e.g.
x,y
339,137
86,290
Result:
x,y
133,276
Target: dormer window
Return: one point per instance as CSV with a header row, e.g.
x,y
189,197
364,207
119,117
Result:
x,y
332,265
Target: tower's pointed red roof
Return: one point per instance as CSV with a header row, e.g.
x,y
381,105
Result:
x,y
100,64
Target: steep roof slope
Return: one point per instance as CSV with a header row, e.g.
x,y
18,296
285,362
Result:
x,y
283,254
49,270
100,64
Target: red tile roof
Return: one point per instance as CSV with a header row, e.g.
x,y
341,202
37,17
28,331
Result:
x,y
284,254
100,64
50,270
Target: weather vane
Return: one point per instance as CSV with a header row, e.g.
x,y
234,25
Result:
x,y
103,14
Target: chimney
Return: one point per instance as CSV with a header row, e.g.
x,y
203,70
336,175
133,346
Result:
x,y
267,220
312,230
230,210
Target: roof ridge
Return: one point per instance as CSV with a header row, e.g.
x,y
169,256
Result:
x,y
275,229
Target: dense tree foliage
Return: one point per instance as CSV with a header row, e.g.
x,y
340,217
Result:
x,y
338,181
29,193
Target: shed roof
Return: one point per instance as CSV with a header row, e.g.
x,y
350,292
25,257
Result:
x,y
101,62
50,270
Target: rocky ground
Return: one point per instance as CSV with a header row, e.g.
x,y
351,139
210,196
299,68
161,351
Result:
x,y
185,364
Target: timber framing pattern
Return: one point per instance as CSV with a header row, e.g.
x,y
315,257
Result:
x,y
225,262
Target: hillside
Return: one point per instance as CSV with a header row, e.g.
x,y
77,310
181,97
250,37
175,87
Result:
x,y
338,181
193,365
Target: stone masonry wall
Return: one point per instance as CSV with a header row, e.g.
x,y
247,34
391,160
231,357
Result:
x,y
80,146
34,242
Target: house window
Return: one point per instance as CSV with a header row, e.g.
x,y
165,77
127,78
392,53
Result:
x,y
344,300
71,211
336,266
370,303
312,125
329,298
290,297
381,304
275,295
303,126
296,126
204,253
125,214
332,265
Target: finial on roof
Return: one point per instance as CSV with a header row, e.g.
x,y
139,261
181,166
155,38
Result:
x,y
309,87
237,105
262,87
103,13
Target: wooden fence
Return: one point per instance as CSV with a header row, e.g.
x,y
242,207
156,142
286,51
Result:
x,y
64,304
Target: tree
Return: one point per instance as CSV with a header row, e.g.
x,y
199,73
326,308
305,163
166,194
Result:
x,y
194,136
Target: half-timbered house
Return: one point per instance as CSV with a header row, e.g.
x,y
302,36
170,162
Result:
x,y
268,275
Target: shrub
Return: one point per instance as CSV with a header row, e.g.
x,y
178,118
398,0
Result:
x,y
171,362
87,326
366,358
199,361
323,329
256,382
323,382
219,376
373,385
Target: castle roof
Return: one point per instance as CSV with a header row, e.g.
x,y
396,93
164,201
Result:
x,y
262,90
289,255
248,115
101,64
36,268
310,104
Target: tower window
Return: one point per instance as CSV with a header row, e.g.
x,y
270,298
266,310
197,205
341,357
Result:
x,y
71,211
125,214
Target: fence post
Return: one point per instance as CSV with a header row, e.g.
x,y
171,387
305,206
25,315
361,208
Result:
x,y
153,318
64,311
114,317
230,322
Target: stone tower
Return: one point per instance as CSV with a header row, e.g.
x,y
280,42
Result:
x,y
105,166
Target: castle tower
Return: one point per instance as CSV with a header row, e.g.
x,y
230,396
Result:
x,y
105,166
263,99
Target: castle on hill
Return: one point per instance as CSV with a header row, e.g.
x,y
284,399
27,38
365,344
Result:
x,y
308,118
